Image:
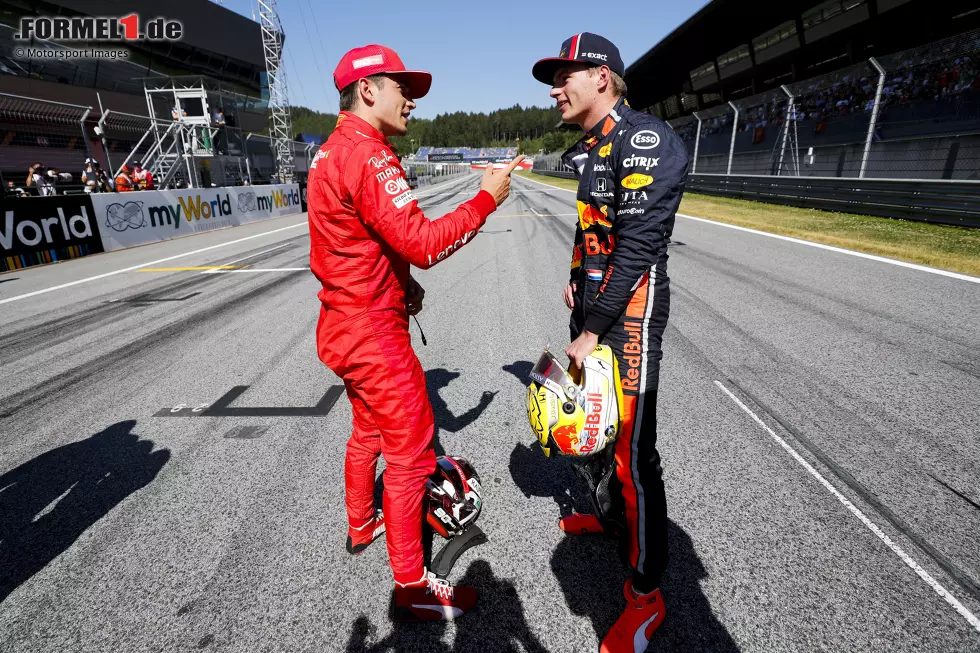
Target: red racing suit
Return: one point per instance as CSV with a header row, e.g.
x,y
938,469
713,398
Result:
x,y
144,179
366,230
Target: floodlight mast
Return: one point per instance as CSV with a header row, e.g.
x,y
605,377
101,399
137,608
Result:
x,y
280,124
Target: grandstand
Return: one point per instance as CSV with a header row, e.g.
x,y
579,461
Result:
x,y
802,80
218,46
467,154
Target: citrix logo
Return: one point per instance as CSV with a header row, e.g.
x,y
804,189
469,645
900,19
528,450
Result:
x,y
635,161
30,233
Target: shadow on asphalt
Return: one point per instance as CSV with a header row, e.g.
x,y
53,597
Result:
x,y
521,371
595,590
48,502
446,420
495,625
538,476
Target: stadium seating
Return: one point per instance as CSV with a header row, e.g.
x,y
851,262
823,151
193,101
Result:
x,y
469,153
946,91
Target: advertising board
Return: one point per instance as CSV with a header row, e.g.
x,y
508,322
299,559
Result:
x,y
137,218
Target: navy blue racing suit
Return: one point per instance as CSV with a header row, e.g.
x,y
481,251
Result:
x,y
631,168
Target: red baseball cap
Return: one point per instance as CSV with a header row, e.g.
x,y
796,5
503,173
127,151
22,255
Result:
x,y
375,60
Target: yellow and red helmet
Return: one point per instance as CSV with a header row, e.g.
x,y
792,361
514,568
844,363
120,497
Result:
x,y
579,413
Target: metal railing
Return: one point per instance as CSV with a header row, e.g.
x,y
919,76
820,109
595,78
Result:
x,y
936,201
44,130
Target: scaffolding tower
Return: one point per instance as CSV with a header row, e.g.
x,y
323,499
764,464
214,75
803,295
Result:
x,y
280,124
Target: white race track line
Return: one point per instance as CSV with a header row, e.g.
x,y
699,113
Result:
x,y
171,258
915,566
304,223
839,250
248,270
245,258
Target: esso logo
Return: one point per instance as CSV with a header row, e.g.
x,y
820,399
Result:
x,y
645,140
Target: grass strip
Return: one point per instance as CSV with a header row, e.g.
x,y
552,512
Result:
x,y
940,246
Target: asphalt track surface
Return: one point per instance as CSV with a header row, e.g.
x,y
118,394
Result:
x,y
818,421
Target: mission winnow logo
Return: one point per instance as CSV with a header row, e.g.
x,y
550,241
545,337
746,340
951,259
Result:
x,y
131,215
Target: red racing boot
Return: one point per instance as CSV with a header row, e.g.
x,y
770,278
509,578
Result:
x,y
360,537
632,631
581,524
431,599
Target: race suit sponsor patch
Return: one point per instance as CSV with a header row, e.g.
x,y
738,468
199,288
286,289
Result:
x,y
403,199
396,186
645,140
637,181
388,173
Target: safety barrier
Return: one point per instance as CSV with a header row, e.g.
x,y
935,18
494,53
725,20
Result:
x,y
150,216
926,200
563,174
38,230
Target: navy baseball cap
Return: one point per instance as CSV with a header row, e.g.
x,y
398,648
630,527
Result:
x,y
585,48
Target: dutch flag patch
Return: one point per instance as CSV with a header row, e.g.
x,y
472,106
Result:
x,y
594,275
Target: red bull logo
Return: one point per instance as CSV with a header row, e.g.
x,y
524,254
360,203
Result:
x,y
592,421
588,215
565,436
593,247
633,357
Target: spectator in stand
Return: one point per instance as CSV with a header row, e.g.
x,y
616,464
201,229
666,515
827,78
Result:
x,y
15,191
124,182
94,178
143,178
36,178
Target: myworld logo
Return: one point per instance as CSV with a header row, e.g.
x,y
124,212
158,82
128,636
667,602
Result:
x,y
121,217
51,231
278,199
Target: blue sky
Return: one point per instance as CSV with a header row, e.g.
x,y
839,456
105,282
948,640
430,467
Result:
x,y
480,54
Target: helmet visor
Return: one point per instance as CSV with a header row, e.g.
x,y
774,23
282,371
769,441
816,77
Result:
x,y
550,373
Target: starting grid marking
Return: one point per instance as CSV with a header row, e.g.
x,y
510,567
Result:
x,y
223,408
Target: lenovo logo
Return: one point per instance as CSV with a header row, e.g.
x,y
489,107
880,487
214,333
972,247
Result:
x,y
452,248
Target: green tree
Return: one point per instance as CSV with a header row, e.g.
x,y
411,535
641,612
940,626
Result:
x,y
537,127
